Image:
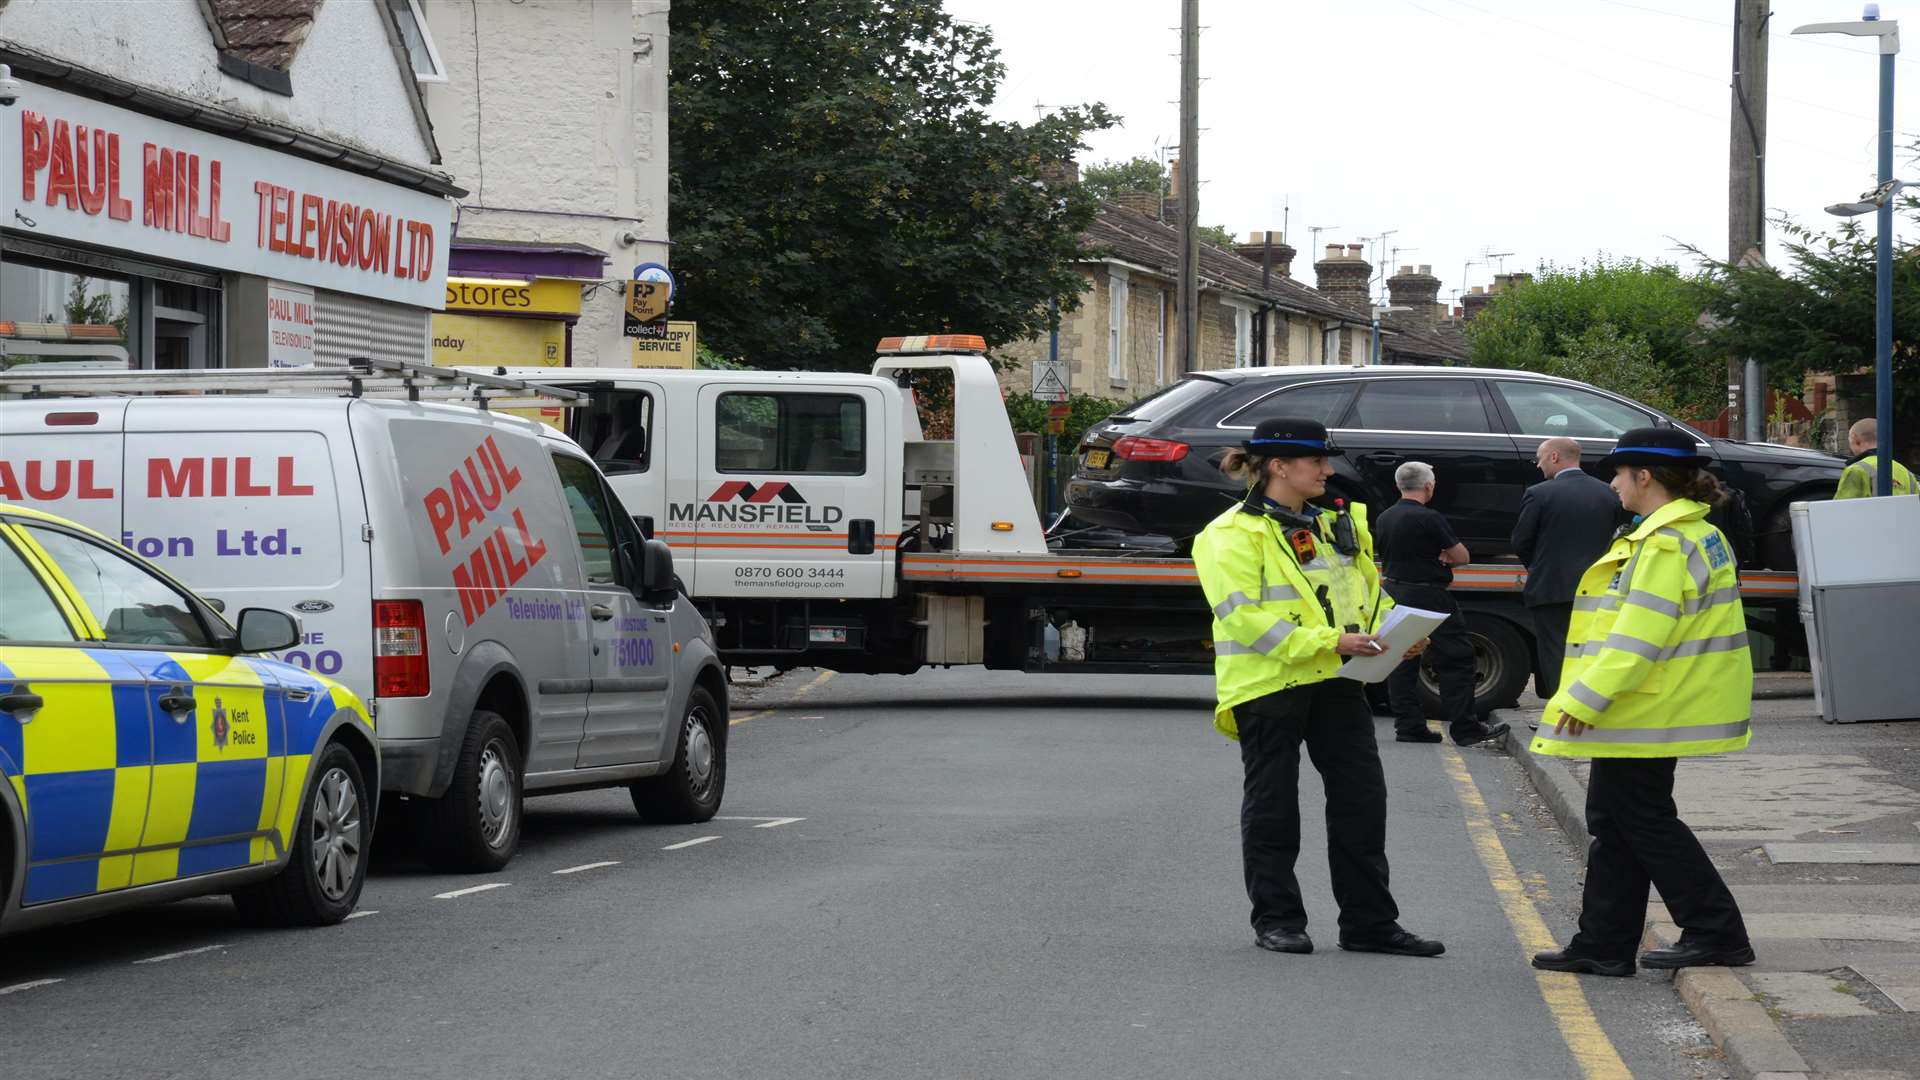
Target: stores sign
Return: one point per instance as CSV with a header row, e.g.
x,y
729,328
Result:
x,y
88,172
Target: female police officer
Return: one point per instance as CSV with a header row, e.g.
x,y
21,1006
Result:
x,y
1294,588
1657,669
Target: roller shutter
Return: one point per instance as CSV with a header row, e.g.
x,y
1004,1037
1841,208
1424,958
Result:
x,y
346,326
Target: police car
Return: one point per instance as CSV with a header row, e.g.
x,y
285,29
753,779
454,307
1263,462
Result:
x,y
148,752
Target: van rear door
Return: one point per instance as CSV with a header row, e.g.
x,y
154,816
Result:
x,y
64,456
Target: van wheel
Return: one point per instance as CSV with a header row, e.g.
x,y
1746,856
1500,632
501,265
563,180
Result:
x,y
690,791
1502,663
328,864
475,826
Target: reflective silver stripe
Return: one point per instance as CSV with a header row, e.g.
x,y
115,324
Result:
x,y
1279,592
1318,563
1718,596
1728,643
1575,649
1695,733
1580,693
1653,602
1627,644
1697,566
1235,600
1603,602
1275,634
1230,648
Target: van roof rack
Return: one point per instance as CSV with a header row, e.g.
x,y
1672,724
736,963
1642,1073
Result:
x,y
362,376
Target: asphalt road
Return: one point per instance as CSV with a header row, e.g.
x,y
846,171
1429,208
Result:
x,y
989,876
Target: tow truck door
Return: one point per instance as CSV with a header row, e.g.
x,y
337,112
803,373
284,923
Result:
x,y
791,496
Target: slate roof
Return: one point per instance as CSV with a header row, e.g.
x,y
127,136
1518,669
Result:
x,y
1146,241
266,32
1419,342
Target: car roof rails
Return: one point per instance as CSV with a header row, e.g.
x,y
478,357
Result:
x,y
368,377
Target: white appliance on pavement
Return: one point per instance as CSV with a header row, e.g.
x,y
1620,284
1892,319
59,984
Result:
x,y
1860,601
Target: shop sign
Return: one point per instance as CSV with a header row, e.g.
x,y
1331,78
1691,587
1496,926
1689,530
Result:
x,y
89,172
542,296
676,349
289,325
482,339
649,298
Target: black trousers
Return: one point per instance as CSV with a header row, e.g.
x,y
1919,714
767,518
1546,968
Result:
x,y
1333,720
1638,838
1550,640
1452,657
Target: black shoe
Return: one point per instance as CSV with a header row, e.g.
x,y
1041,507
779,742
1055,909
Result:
x,y
1417,735
1279,940
1475,735
1399,943
1688,955
1567,960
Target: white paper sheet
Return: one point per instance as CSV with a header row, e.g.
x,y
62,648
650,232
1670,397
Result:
x,y
1401,629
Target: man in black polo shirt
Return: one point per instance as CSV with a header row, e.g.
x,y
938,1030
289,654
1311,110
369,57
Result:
x,y
1418,551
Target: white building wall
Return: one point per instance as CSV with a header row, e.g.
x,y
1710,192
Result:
x,y
560,135
345,86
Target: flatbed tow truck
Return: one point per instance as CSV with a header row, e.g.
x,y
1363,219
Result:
x,y
816,524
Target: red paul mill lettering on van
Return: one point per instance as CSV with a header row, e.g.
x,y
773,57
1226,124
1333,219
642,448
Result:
x,y
480,486
219,478
50,480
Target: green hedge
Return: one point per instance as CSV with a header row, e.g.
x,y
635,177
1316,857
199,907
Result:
x,y
1030,414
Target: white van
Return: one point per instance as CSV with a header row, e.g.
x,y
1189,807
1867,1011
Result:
x,y
470,575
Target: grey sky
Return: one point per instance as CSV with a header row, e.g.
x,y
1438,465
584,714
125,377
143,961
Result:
x,y
1551,130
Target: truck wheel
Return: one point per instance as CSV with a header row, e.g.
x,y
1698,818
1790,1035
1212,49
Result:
x,y
1502,664
327,867
691,789
475,826
1775,542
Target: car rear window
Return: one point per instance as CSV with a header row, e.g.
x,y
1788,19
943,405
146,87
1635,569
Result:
x,y
1325,402
1171,400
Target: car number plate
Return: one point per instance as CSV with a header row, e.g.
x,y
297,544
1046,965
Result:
x,y
827,635
1097,459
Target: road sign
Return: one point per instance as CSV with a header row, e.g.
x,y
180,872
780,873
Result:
x,y
1060,411
1056,425
1052,380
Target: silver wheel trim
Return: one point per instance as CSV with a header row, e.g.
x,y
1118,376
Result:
x,y
701,760
495,790
335,833
1488,667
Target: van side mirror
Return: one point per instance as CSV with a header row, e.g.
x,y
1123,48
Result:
x,y
656,568
267,630
644,522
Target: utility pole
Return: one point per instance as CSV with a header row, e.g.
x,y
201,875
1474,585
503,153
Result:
x,y
1189,223
1747,196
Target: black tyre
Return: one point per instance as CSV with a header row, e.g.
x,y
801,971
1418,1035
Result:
x,y
328,864
475,826
689,791
1502,663
1775,542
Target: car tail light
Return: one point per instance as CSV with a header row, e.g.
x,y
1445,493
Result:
x,y
1135,448
399,649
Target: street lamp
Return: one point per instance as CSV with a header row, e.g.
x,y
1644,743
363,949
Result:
x,y
1879,200
1373,350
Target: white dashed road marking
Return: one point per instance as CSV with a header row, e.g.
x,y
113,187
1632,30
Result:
x,y
777,822
359,915
34,985
163,957
689,843
588,866
470,890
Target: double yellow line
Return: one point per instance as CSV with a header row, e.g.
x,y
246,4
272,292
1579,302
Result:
x,y
818,681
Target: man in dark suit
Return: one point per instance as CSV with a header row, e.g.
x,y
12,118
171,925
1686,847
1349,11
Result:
x,y
1566,522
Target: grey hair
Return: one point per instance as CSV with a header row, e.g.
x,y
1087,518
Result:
x,y
1413,476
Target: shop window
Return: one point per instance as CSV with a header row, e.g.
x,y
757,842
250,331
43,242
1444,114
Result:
x,y
68,315
418,40
823,434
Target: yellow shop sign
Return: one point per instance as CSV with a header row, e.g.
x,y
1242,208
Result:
x,y
542,296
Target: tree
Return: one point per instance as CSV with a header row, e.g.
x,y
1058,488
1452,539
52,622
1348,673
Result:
x,y
1621,324
1143,176
835,180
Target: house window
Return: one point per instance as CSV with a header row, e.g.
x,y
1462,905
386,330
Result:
x,y
1160,336
1330,346
1242,336
1117,326
413,33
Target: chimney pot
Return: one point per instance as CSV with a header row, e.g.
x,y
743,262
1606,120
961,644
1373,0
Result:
x,y
1426,268
1334,251
1354,250
1406,269
1479,290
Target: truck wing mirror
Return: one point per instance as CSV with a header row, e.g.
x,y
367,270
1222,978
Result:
x,y
645,523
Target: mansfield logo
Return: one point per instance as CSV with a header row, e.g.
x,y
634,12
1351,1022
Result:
x,y
775,502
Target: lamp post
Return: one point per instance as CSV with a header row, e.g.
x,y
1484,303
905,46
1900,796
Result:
x,y
1881,201
1373,349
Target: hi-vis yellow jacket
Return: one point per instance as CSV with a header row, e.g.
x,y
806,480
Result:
x,y
1857,480
1269,630
1657,655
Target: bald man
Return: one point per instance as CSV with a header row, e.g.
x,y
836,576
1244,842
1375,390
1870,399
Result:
x,y
1857,482
1565,523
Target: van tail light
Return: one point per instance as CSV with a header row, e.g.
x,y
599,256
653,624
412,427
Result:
x,y
1135,448
399,649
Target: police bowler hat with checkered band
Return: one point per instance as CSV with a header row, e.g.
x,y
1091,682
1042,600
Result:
x,y
1652,446
1290,437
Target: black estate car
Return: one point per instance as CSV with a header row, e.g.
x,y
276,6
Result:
x,y
1154,466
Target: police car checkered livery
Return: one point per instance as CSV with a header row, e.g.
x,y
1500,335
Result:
x,y
147,756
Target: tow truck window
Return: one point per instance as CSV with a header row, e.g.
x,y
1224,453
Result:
x,y
132,606
592,523
27,610
617,429
823,434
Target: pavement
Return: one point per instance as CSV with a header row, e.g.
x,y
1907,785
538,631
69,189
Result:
x,y
1816,828
952,874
